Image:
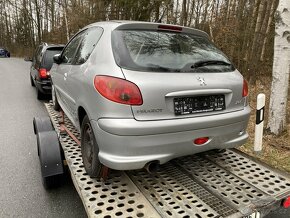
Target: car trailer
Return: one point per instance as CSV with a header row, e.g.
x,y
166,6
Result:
x,y
226,183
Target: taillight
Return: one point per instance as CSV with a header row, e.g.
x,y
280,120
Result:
x,y
201,141
170,28
118,90
43,73
245,88
286,203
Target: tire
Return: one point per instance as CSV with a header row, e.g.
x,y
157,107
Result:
x,y
55,103
90,149
42,124
39,94
31,81
52,182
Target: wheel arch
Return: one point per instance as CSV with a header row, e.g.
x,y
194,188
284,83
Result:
x,y
81,114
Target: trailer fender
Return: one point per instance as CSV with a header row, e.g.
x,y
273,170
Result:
x,y
49,154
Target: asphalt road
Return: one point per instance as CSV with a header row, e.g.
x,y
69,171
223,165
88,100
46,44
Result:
x,y
21,191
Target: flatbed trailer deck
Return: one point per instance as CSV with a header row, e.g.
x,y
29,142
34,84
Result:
x,y
227,183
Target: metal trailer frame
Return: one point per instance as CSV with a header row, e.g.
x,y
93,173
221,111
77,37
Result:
x,y
227,183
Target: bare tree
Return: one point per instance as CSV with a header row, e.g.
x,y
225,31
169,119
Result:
x,y
281,70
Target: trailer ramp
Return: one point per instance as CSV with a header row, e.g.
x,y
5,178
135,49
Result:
x,y
213,184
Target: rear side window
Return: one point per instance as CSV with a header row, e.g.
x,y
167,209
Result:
x,y
37,57
68,54
47,60
163,51
87,45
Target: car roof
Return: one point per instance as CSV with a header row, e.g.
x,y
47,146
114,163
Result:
x,y
128,24
51,45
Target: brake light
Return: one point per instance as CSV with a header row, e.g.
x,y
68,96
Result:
x,y
43,73
118,90
170,28
286,203
245,88
201,141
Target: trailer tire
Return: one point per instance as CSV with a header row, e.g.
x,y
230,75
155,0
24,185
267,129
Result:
x,y
90,149
52,182
42,124
50,158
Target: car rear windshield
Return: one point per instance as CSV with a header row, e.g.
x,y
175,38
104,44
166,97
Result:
x,y
162,51
48,57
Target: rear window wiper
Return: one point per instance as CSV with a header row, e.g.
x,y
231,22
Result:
x,y
209,62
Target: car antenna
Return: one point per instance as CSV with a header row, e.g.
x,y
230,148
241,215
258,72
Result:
x,y
160,19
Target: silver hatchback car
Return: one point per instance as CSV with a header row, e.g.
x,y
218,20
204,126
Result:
x,y
144,93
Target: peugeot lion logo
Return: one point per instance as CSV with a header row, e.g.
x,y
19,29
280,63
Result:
x,y
202,81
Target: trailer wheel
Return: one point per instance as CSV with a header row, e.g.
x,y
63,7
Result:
x,y
50,157
52,182
90,149
42,124
55,103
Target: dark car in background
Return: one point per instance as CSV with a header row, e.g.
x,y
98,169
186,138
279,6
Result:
x,y
4,53
41,64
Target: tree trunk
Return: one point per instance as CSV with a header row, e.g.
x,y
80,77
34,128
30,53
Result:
x,y
257,34
52,10
191,12
271,17
176,12
183,16
64,7
205,11
281,70
39,27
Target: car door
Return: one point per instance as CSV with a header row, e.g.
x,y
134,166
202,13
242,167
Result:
x,y
61,73
76,81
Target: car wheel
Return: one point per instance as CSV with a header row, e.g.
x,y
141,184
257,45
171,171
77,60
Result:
x,y
31,81
39,94
90,149
55,103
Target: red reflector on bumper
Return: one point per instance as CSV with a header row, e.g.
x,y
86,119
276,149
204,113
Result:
x,y
200,141
286,203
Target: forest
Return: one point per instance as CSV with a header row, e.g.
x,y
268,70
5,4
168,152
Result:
x,y
243,29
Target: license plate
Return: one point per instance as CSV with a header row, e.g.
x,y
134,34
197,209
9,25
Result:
x,y
198,104
254,215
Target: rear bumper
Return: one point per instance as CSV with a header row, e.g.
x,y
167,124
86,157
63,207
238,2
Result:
x,y
132,127
44,86
126,152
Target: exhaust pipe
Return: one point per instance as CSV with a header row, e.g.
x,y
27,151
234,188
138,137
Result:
x,y
152,167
